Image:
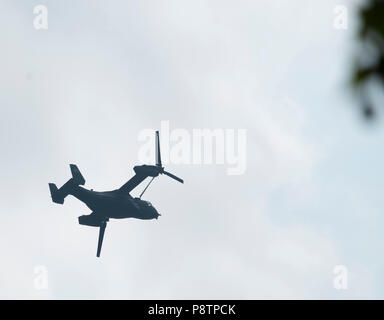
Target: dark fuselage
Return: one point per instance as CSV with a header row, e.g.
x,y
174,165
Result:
x,y
115,204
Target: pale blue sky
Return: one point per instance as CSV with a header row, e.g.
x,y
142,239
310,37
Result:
x,y
81,91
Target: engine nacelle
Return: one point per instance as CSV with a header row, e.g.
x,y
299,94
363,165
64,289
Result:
x,y
91,220
150,171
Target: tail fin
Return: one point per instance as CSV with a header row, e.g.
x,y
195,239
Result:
x,y
58,195
76,175
55,194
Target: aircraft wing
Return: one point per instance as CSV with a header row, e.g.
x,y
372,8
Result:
x,y
133,182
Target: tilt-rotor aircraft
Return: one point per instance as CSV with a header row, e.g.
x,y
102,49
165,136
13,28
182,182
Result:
x,y
115,204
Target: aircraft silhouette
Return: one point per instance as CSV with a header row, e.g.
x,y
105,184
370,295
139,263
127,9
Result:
x,y
116,204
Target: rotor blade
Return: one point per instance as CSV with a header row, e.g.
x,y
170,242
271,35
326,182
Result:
x,y
101,237
147,187
158,155
173,176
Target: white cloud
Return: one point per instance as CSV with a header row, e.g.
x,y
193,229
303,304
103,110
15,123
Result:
x,y
91,90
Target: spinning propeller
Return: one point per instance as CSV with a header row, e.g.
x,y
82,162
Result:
x,y
103,225
160,166
158,161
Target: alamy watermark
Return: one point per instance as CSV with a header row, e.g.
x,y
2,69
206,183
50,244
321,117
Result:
x,y
340,21
340,280
197,146
40,21
40,280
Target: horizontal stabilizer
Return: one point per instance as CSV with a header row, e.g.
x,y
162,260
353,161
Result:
x,y
76,175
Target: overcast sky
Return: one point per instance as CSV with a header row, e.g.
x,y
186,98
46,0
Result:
x,y
83,90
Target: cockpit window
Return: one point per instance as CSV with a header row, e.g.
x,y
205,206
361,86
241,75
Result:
x,y
148,203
